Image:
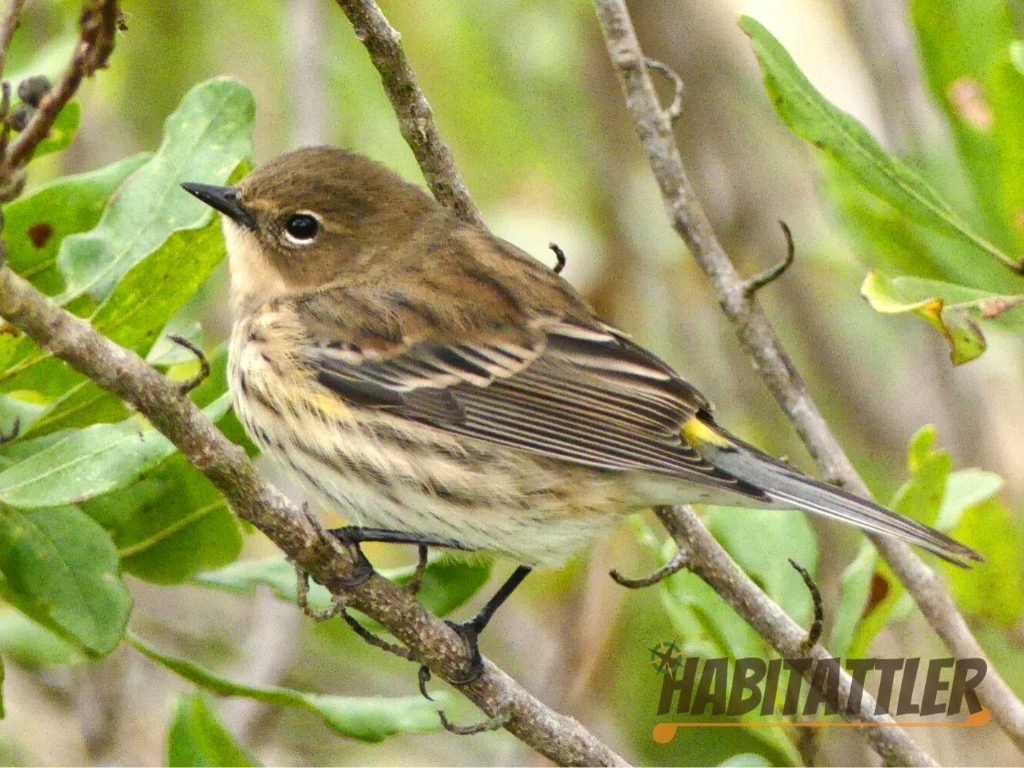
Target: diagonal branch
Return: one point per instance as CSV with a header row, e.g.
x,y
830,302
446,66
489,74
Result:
x,y
415,118
770,358
126,375
707,559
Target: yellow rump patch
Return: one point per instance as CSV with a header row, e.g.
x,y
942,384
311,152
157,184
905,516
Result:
x,y
697,433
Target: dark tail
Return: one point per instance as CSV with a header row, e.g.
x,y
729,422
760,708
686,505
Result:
x,y
787,487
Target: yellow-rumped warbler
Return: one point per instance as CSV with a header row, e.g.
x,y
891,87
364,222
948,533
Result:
x,y
441,386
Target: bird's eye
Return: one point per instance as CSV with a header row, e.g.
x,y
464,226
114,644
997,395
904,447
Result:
x,y
301,228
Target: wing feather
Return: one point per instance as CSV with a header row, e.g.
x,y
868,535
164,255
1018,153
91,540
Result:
x,y
582,394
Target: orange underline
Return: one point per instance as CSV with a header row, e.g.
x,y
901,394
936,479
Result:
x,y
663,733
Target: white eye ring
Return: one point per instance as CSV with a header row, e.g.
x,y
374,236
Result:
x,y
302,227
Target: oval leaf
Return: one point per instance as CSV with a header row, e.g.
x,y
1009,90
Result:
x,y
60,568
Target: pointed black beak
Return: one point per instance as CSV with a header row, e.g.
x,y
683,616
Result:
x,y
223,199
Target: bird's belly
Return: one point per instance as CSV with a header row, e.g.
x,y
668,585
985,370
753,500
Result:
x,y
386,472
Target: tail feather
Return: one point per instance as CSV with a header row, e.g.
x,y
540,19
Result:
x,y
789,488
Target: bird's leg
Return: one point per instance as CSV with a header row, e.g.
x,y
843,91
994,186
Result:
x,y
354,535
470,630
364,569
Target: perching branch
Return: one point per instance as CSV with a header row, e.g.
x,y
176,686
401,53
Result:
x,y
415,118
770,358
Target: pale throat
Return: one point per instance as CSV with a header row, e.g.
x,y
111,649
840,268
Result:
x,y
253,278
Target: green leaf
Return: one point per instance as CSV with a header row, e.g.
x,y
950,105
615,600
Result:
x,y
965,56
32,646
90,462
366,718
965,489
844,139
1006,95
992,590
447,583
60,568
62,132
854,590
197,738
141,304
920,498
35,225
205,140
955,311
171,525
780,535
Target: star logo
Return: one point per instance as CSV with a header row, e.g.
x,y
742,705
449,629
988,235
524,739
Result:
x,y
666,657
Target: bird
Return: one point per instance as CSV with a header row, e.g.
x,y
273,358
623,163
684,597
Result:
x,y
439,386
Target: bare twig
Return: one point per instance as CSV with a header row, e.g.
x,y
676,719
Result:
x,y
127,376
771,359
712,563
10,17
302,599
98,25
204,364
415,118
759,281
675,109
560,261
678,561
818,622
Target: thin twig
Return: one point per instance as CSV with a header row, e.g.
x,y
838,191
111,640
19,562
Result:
x,y
818,622
770,275
302,598
204,364
772,361
9,20
559,258
98,26
675,109
680,560
415,118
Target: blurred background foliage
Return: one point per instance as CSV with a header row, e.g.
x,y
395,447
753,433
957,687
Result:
x,y
523,92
